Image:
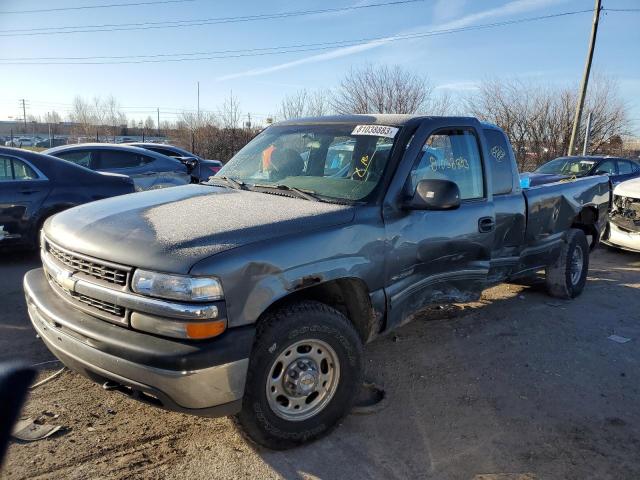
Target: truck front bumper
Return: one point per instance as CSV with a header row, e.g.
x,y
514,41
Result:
x,y
204,378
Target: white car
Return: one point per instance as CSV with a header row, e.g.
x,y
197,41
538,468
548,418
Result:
x,y
623,230
20,142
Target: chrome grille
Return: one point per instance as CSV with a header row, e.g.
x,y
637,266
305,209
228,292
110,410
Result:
x,y
118,312
93,268
99,304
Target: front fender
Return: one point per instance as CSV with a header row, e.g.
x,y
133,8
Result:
x,y
258,275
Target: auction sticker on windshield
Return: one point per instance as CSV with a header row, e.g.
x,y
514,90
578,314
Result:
x,y
375,131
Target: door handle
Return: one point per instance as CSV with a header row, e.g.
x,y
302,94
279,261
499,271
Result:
x,y
27,191
486,224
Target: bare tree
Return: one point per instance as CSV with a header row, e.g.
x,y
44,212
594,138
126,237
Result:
x,y
294,105
149,124
53,119
305,104
319,103
82,115
229,112
382,89
113,116
538,119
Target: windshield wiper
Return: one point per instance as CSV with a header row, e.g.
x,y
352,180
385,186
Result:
x,y
306,194
232,182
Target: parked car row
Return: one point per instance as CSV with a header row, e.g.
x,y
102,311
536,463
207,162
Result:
x,y
34,186
149,170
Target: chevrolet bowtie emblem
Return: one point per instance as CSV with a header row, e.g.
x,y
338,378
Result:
x,y
65,280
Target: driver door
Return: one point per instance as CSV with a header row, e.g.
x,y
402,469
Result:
x,y
441,256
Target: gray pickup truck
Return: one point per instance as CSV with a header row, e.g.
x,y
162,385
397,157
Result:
x,y
253,294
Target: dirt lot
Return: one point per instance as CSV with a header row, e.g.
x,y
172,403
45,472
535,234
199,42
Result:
x,y
517,386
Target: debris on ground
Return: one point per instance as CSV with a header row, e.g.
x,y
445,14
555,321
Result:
x,y
48,379
28,430
619,339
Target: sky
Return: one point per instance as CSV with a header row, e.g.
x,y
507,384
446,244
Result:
x,y
551,51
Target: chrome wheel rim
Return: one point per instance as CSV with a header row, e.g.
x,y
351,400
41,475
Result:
x,y
575,268
303,380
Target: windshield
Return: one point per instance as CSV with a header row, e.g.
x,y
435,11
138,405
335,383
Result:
x,y
343,162
576,167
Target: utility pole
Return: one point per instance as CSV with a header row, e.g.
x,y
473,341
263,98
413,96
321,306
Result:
x,y
587,135
198,102
24,114
158,129
49,125
585,78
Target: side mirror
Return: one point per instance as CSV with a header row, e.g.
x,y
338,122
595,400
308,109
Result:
x,y
434,195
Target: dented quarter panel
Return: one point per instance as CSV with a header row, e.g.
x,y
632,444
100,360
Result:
x,y
552,208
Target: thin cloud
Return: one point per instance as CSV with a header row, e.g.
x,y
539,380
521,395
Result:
x,y
459,86
510,8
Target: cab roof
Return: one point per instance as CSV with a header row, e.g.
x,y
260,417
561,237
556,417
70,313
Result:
x,y
394,120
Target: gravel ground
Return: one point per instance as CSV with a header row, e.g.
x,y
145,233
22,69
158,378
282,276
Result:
x,y
516,386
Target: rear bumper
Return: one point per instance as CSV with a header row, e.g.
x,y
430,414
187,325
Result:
x,y
202,378
621,238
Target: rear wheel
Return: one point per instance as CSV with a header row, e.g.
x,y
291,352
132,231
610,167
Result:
x,y
304,374
567,277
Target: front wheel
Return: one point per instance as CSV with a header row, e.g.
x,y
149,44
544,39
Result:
x,y
304,374
566,278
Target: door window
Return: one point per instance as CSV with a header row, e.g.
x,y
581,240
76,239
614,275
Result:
x,y
22,171
79,157
451,155
624,168
607,167
111,159
164,151
6,174
14,169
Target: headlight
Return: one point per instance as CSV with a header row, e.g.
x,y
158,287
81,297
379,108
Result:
x,y
176,287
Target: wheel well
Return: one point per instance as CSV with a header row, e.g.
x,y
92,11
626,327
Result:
x,y
350,296
587,221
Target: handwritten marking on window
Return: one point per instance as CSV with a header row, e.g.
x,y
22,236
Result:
x,y
498,153
361,172
459,163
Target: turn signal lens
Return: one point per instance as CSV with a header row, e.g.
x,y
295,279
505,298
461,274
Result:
x,y
202,330
195,330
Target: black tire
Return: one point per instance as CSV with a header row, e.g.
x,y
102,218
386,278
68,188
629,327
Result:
x,y
561,277
280,329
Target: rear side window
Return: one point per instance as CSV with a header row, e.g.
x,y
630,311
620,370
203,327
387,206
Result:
x,y
163,151
624,167
22,171
500,161
451,155
6,174
79,157
118,159
608,167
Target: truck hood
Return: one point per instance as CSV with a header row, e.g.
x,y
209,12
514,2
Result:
x,y
630,188
173,228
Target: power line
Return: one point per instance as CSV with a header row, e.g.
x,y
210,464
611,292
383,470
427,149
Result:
x,y
255,52
117,27
90,7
